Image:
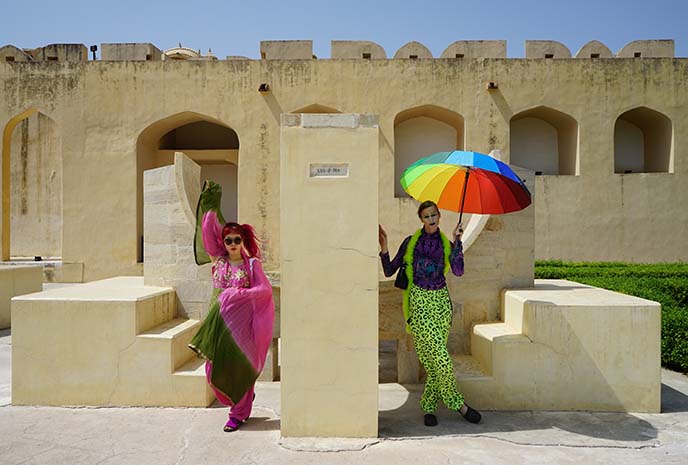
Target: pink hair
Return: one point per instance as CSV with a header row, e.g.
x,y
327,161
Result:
x,y
248,236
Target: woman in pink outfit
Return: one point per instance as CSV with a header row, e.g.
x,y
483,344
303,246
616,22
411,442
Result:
x,y
236,334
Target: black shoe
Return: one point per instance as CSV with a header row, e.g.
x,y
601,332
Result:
x,y
430,420
471,415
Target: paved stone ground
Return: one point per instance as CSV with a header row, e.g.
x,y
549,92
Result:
x,y
55,436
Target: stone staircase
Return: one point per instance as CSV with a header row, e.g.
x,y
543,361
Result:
x,y
565,346
113,342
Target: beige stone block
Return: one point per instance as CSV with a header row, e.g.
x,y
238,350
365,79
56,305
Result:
x,y
474,312
192,291
160,196
471,49
158,177
110,342
63,355
63,272
546,49
160,253
286,49
648,49
16,281
571,332
413,50
356,49
594,49
329,327
130,52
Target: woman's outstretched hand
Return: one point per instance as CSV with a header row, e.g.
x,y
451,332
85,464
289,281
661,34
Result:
x,y
382,238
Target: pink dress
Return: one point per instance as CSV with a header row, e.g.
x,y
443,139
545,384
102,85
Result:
x,y
237,331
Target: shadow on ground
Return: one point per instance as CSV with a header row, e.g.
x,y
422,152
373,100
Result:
x,y
406,421
673,401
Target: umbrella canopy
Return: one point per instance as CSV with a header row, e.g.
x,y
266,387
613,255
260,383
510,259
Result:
x,y
469,182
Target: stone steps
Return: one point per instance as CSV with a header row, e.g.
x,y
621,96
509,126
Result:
x,y
174,336
113,342
567,346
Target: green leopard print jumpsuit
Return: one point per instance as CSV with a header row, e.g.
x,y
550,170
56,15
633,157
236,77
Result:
x,y
430,320
428,314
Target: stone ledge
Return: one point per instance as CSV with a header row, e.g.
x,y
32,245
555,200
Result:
x,y
330,120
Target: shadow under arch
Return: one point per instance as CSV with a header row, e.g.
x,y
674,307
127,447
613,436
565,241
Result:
x,y
208,141
422,131
643,142
544,140
6,177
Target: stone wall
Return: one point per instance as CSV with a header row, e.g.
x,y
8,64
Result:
x,y
170,196
102,108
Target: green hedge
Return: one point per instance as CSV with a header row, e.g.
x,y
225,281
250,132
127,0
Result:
x,y
666,283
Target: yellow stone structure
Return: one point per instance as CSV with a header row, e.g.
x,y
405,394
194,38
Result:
x,y
102,161
606,134
16,280
329,279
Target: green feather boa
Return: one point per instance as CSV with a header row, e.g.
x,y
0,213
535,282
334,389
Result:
x,y
408,260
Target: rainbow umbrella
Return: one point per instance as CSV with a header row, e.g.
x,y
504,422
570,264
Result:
x,y
468,182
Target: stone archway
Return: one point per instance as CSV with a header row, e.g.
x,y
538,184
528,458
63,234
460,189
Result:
x,y
544,140
31,187
208,141
422,131
643,142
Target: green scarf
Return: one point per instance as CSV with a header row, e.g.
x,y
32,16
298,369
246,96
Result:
x,y
408,260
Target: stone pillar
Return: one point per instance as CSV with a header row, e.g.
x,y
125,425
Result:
x,y
329,275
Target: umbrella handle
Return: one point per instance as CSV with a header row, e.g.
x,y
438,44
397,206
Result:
x,y
463,197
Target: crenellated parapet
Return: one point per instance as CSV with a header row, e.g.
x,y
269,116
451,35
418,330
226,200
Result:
x,y
352,49
130,52
476,49
594,49
413,50
344,50
546,49
648,49
12,53
286,50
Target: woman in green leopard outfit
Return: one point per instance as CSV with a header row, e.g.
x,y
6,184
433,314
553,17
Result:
x,y
428,255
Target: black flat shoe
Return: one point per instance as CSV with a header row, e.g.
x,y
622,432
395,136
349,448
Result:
x,y
430,420
471,415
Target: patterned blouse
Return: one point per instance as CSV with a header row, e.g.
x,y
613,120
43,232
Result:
x,y
227,275
428,261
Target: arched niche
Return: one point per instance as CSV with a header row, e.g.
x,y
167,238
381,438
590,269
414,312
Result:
x,y
209,142
544,140
31,187
422,131
643,142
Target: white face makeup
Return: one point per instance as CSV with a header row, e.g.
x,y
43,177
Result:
x,y
431,219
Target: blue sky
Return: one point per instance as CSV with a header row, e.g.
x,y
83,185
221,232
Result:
x,y
237,27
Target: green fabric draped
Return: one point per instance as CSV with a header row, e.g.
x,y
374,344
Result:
x,y
210,199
